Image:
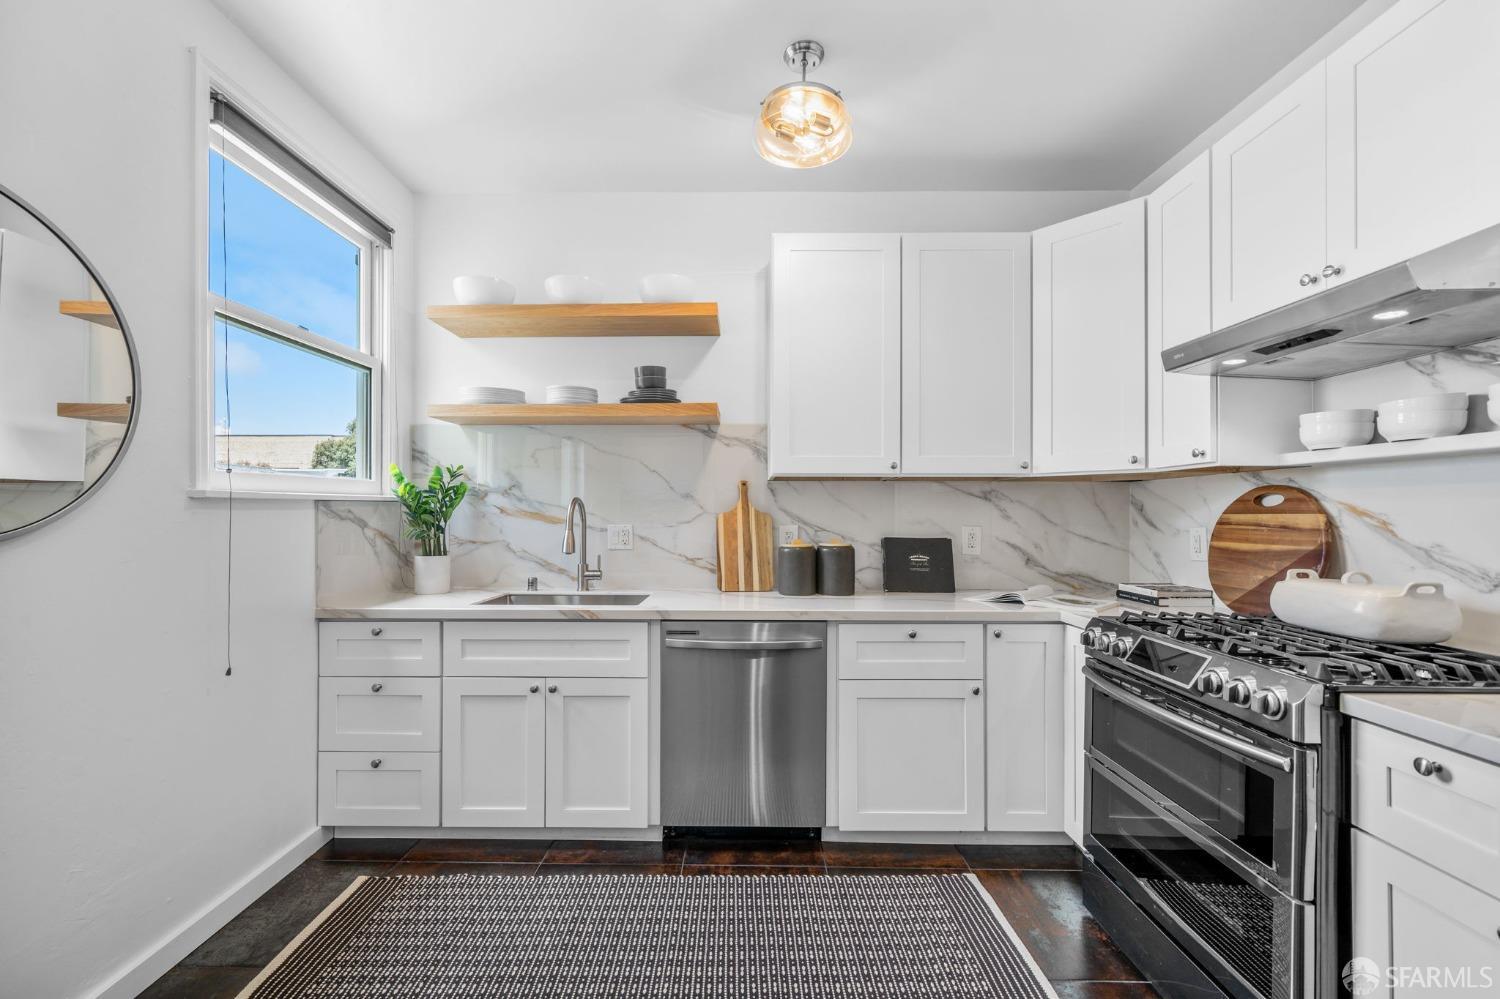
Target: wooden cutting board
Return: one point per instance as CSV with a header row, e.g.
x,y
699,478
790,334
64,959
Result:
x,y
746,540
1256,540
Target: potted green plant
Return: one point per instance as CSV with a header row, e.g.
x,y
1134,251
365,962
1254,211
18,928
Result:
x,y
428,510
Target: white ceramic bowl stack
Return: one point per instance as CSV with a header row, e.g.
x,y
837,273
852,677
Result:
x,y
490,395
481,289
1336,428
667,288
571,395
573,289
1424,416
1493,406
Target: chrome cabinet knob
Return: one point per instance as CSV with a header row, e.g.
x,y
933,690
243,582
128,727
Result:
x,y
893,466
998,633
912,633
1025,465
1240,690
551,688
376,687
976,691
374,764
1332,270
1199,452
1270,703
535,687
1135,459
376,631
1426,767
1307,279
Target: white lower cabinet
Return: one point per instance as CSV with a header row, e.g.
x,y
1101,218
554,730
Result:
x,y
596,752
1024,727
1075,733
911,755
494,751
377,789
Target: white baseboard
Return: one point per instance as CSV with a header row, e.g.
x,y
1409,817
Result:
x,y
493,832
156,961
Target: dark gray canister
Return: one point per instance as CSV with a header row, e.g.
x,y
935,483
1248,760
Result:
x,y
797,570
835,568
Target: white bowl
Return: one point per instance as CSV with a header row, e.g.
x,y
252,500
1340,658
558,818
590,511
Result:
x,y
1338,416
1420,425
1493,408
1427,403
1495,391
479,289
1330,435
667,288
573,289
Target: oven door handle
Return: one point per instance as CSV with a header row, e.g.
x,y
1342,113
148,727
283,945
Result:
x,y
1239,747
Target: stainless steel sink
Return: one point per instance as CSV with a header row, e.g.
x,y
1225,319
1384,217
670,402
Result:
x,y
569,599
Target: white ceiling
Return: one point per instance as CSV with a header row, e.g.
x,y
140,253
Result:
x,y
471,96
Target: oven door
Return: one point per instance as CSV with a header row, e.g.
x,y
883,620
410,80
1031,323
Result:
x,y
1249,792
1250,938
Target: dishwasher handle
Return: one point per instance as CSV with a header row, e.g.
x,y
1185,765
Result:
x,y
731,645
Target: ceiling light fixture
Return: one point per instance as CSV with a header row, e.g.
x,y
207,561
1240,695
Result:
x,y
1233,361
802,124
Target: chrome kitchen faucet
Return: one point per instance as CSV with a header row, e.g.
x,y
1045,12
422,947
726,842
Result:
x,y
585,574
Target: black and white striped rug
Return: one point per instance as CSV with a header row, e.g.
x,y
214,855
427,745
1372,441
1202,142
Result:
x,y
663,936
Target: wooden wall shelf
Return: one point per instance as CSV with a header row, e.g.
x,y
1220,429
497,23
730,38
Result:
x,y
609,319
98,313
621,414
100,412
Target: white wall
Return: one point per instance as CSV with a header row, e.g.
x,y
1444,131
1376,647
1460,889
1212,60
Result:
x,y
138,783
721,240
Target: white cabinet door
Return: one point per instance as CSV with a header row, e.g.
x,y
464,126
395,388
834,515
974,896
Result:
x,y
1180,418
835,354
596,752
1412,150
966,354
1089,342
378,789
1024,729
911,755
1428,934
1074,734
1270,204
494,747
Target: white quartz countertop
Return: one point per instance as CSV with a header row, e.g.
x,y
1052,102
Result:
x,y
1464,723
466,605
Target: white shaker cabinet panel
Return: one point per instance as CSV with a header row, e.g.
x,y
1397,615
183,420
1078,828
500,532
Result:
x,y
1270,204
494,751
1075,736
379,648
596,752
835,355
1412,142
394,712
544,648
1419,925
911,755
1089,342
911,651
966,354
1025,728
378,789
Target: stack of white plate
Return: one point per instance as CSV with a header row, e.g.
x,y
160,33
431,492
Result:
x,y
1424,416
1493,406
489,395
1336,428
571,395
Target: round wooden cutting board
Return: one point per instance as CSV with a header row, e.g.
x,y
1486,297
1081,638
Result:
x,y
1261,535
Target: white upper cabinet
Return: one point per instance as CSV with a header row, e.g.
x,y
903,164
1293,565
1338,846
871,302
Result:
x,y
835,354
1269,205
1089,342
1412,147
966,354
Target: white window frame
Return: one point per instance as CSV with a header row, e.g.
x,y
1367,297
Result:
x,y
376,307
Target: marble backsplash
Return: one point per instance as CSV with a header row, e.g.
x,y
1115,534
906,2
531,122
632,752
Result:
x,y
670,482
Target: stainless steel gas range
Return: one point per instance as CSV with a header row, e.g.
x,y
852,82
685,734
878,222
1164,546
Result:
x,y
1216,811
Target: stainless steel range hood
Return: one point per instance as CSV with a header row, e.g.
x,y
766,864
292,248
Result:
x,y
1449,297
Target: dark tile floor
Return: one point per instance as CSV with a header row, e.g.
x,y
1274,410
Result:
x,y
1037,887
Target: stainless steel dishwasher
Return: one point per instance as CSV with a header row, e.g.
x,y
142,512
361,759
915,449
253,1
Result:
x,y
744,708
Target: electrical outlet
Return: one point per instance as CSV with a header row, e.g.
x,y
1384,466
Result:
x,y
787,533
1197,545
621,537
972,540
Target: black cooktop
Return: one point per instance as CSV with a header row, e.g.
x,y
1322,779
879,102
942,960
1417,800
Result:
x,y
1320,656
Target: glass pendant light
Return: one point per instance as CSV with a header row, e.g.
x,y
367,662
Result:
x,y
803,124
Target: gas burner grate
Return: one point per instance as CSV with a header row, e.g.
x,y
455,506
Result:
x,y
1319,655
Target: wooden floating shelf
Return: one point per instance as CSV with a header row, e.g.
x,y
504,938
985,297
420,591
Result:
x,y
610,319
619,414
1477,443
98,313
100,412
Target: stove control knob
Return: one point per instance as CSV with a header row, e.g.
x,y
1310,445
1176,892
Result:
x,y
1270,702
1120,647
1103,641
1240,691
1090,639
1211,681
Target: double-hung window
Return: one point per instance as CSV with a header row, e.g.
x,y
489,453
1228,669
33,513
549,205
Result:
x,y
298,316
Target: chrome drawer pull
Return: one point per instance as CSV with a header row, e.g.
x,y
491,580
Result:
x,y
376,631
1426,767
376,687
374,764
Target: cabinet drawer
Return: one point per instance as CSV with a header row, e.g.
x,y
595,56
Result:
x,y
378,789
379,648
545,648
911,651
390,713
1451,818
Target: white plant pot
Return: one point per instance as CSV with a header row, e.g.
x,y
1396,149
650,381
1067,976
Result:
x,y
433,573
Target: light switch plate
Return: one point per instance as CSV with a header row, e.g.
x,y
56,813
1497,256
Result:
x,y
620,537
973,539
787,533
1197,545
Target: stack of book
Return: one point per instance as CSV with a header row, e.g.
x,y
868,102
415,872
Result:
x,y
1165,596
